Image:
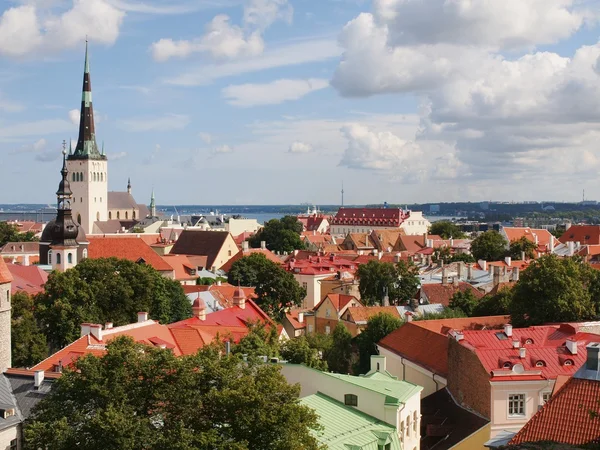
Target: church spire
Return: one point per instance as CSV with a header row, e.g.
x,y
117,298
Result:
x,y
152,205
64,231
129,185
86,143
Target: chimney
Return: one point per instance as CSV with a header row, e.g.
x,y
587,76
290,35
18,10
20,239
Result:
x,y
522,352
96,331
522,256
263,245
593,362
469,272
551,244
515,274
571,247
409,316
516,343
239,298
459,270
378,363
451,243
386,300
508,330
142,317
455,281
567,225
108,325
85,329
219,283
26,260
571,345
379,255
445,275
496,275
483,264
199,311
508,260
38,378
245,246
301,317
458,335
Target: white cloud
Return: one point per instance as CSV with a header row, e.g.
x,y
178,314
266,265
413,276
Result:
x,y
10,106
74,116
206,137
223,40
168,122
221,149
377,150
300,147
31,28
36,128
173,8
272,93
287,55
115,156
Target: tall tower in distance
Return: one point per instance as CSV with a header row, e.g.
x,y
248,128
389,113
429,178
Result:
x,y
5,324
88,168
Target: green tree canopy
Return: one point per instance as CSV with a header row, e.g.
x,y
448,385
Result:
x,y
276,288
28,343
339,357
400,281
554,289
446,230
298,351
280,235
260,341
10,233
106,290
490,246
138,397
465,301
446,255
378,327
497,304
518,246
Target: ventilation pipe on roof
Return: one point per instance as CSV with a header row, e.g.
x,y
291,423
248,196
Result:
x,y
245,246
263,245
142,316
38,378
522,352
508,260
571,345
593,361
508,329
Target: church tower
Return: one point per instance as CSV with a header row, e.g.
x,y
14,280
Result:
x,y
88,167
5,324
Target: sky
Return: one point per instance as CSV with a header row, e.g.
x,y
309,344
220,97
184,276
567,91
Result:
x,y
282,101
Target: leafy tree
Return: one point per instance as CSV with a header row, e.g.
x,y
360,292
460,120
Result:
x,y
555,289
321,342
489,246
280,235
446,230
518,246
10,233
28,343
465,301
276,288
400,281
106,290
208,281
495,305
447,313
299,351
446,255
142,397
378,327
339,357
260,341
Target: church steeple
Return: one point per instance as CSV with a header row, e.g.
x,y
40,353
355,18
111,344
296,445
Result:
x,y
86,143
64,231
152,205
129,185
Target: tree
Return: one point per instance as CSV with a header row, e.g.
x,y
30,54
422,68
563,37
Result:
x,y
339,357
106,290
555,289
261,340
446,230
446,255
464,301
142,397
376,279
298,351
28,343
280,235
276,288
518,246
10,233
378,327
447,313
489,246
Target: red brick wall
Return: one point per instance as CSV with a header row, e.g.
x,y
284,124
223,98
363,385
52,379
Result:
x,y
468,380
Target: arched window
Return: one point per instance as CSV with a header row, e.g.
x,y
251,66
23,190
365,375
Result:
x,y
58,258
98,216
49,256
80,176
110,215
118,215
79,219
126,214
133,216
84,253
73,176
70,258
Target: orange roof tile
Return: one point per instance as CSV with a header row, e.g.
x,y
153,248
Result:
x,y
30,279
183,266
5,276
339,301
442,293
586,234
239,255
361,314
131,248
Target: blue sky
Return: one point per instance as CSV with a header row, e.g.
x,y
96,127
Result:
x,y
279,101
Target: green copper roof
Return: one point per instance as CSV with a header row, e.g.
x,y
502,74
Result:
x,y
346,428
396,391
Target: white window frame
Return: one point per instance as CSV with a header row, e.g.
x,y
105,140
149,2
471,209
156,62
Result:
x,y
508,405
543,400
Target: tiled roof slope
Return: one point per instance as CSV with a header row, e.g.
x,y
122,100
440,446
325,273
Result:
x,y
132,249
566,417
239,255
361,314
29,279
5,276
442,293
586,234
196,242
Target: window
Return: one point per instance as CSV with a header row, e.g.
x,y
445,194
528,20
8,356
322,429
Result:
x,y
70,258
350,400
84,253
127,217
310,328
49,256
110,215
98,216
14,444
327,313
133,216
118,215
402,431
229,253
516,405
58,258
540,363
546,397
415,421
408,426
327,329
79,219
305,285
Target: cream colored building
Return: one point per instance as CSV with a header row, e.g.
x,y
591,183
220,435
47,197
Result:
x,y
239,226
312,283
415,224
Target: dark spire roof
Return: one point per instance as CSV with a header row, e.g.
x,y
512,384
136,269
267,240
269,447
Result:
x,y
64,230
86,143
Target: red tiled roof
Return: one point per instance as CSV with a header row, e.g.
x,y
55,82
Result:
x,y
443,326
442,293
411,243
543,236
239,255
586,234
292,318
29,279
566,417
131,248
182,266
339,301
5,276
360,314
380,217
548,346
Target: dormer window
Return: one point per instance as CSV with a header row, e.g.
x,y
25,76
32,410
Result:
x,y
528,341
506,365
350,400
540,363
7,412
568,362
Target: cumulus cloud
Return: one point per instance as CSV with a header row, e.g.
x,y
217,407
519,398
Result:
x,y
32,28
115,156
74,116
300,147
223,40
221,149
275,92
206,137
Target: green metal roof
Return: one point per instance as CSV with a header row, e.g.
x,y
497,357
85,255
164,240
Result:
x,y
396,391
346,428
